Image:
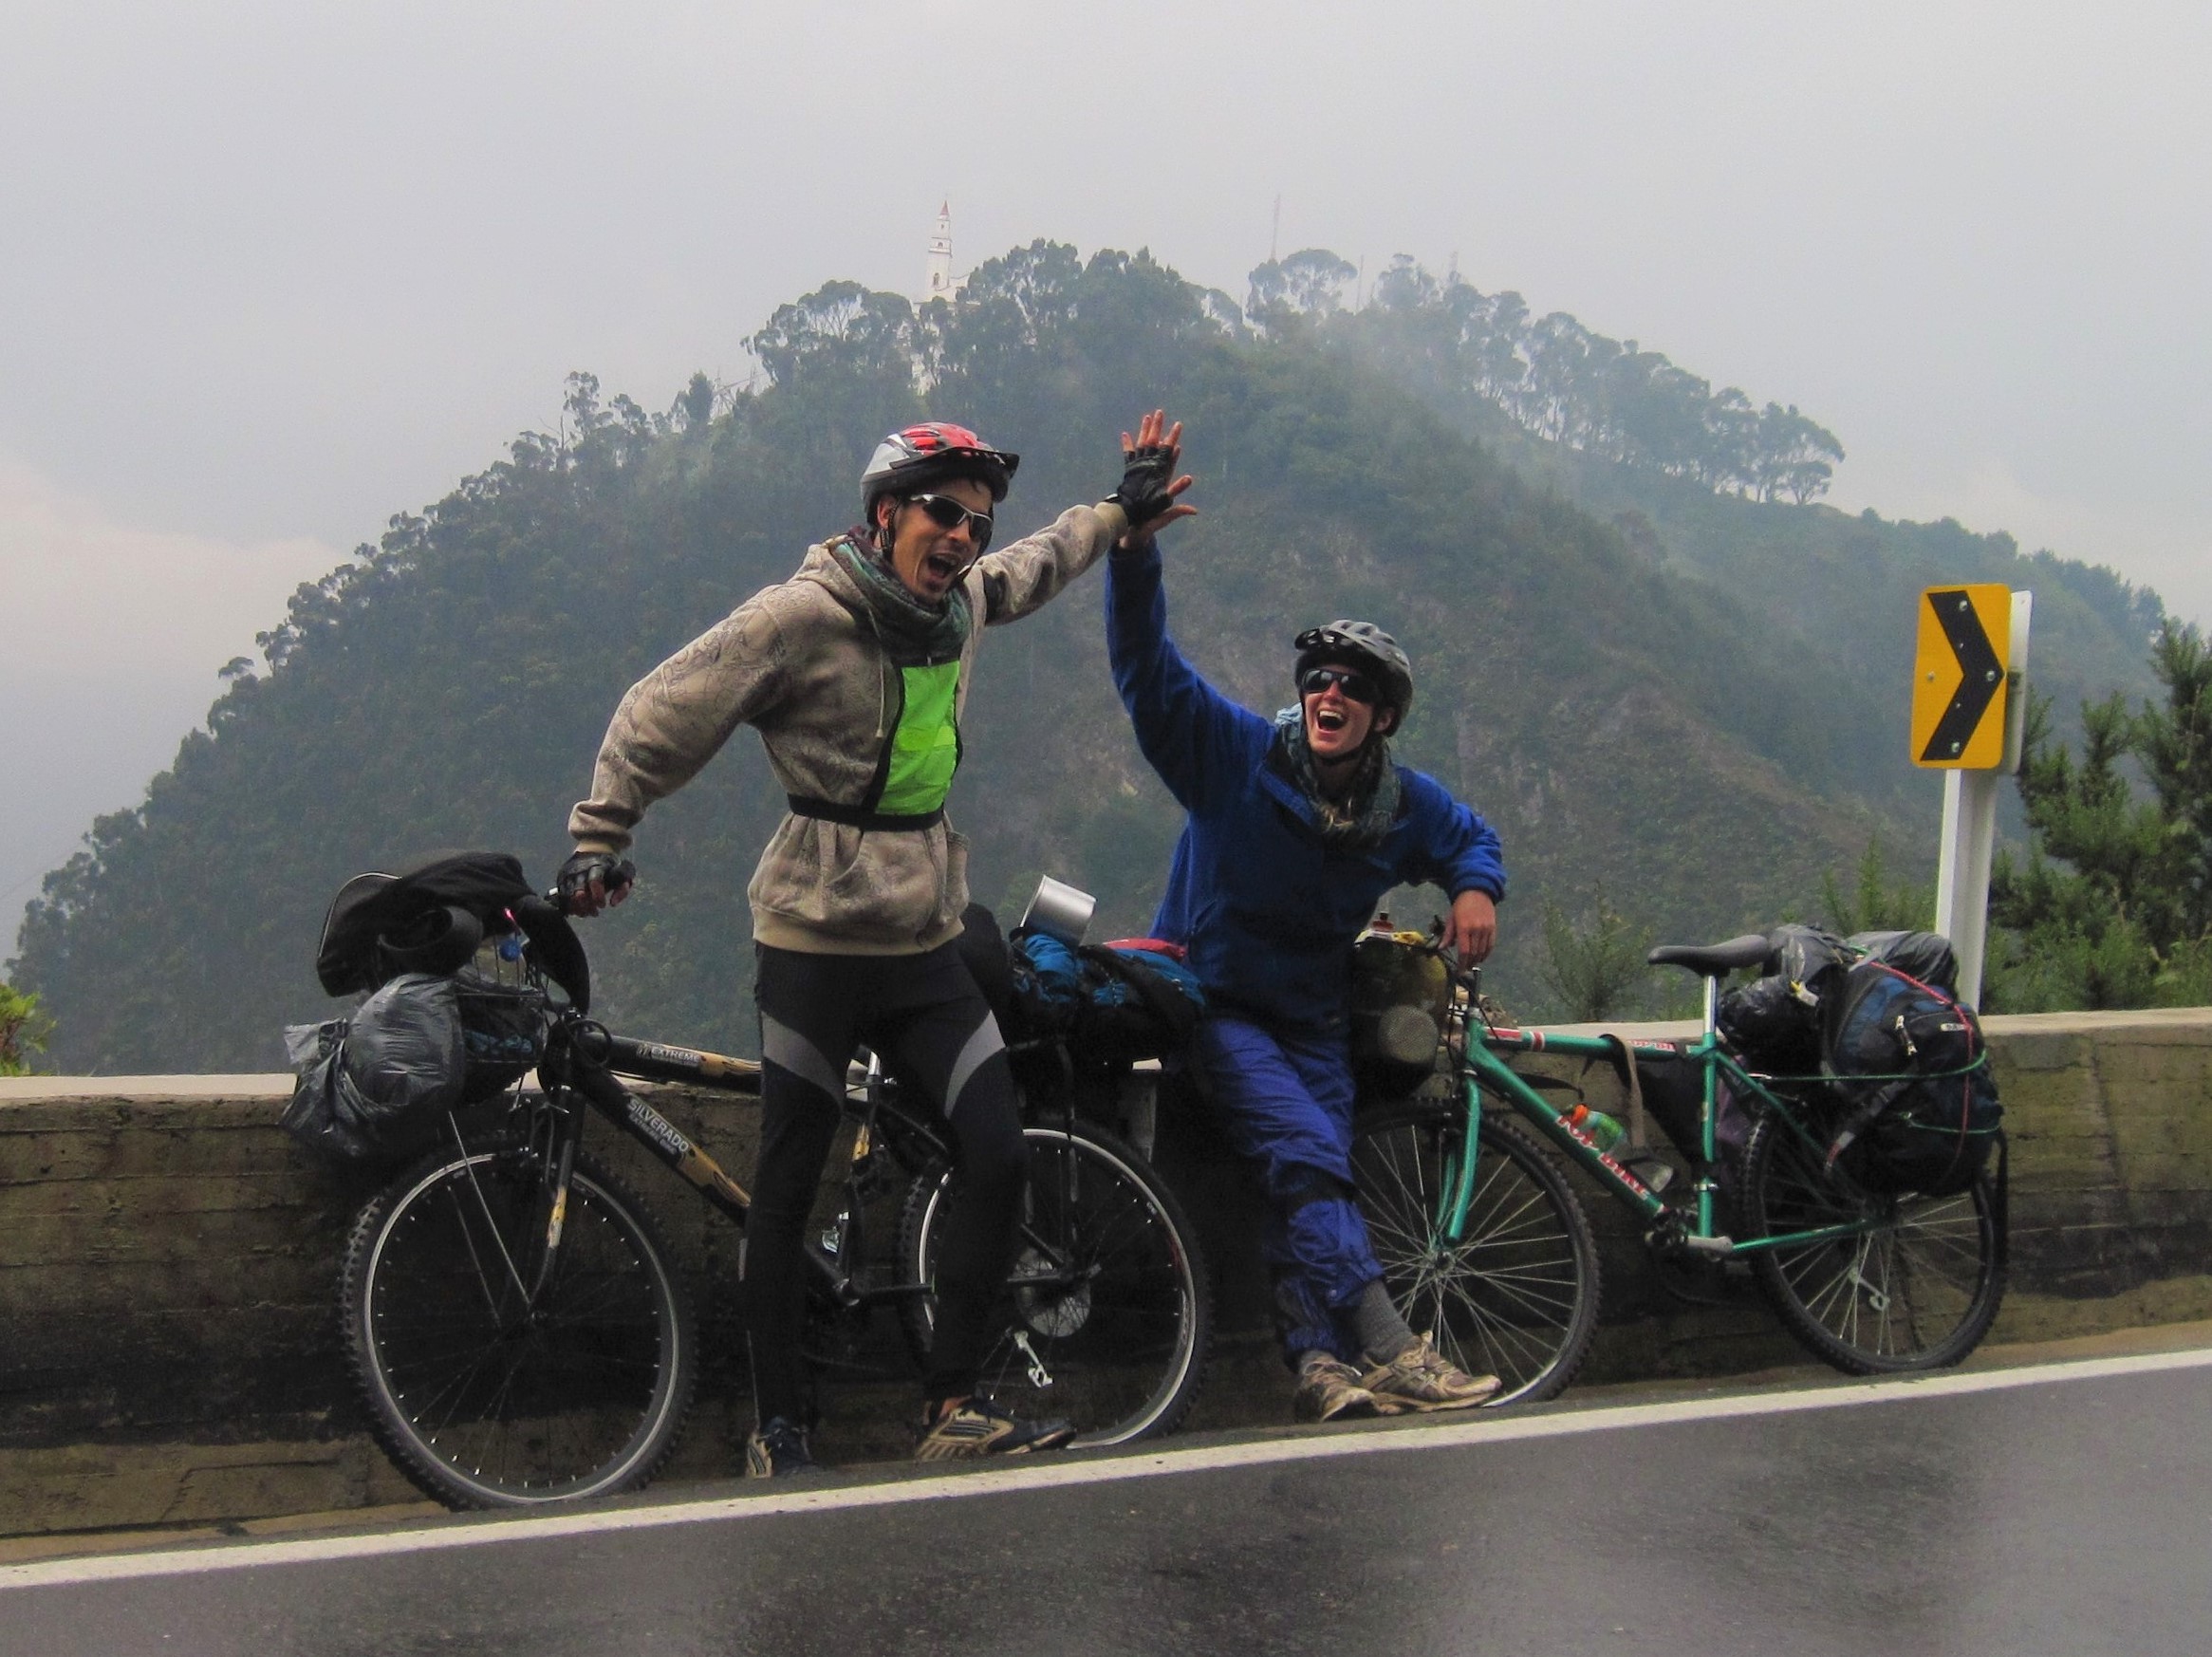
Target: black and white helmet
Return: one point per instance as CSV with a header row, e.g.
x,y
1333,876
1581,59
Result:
x,y
1359,645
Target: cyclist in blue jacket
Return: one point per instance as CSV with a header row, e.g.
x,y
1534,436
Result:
x,y
1297,827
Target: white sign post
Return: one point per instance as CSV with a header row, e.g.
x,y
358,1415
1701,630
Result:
x,y
1969,836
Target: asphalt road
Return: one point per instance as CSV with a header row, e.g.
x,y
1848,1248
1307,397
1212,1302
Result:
x,y
2065,1509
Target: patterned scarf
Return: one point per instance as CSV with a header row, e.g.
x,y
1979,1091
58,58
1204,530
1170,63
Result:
x,y
914,634
1358,819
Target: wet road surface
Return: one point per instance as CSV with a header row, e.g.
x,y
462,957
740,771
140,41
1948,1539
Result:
x,y
2064,1510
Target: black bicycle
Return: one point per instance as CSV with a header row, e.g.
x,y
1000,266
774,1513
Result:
x,y
521,1334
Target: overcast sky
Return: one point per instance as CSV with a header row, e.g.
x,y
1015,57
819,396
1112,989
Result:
x,y
269,273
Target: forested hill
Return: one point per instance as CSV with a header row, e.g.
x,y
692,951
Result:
x,y
1710,485
1631,727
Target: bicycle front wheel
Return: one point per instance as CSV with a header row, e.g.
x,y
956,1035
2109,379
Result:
x,y
1915,1285
487,1395
1107,1314
1516,1294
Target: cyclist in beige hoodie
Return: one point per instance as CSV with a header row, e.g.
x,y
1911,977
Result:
x,y
854,671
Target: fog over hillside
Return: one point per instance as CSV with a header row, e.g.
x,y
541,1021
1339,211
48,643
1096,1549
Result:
x,y
275,272
1690,746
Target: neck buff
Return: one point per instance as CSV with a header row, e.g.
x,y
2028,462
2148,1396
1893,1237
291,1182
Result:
x,y
1359,820
914,634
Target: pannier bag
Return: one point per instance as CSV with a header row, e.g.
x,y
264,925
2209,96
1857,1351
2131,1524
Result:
x,y
1921,1106
435,1032
372,1085
1130,1000
1401,996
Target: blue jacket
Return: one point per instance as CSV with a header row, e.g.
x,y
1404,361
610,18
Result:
x,y
1265,908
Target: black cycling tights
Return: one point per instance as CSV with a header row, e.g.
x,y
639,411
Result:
x,y
924,1016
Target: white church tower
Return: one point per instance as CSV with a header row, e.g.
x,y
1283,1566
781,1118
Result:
x,y
939,283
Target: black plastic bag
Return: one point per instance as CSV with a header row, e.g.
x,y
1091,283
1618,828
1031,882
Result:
x,y
1773,1025
375,1084
1807,956
325,1104
405,1050
1925,956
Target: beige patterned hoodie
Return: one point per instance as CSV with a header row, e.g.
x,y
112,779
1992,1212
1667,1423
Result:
x,y
801,663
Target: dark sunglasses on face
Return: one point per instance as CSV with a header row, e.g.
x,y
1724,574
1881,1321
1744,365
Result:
x,y
1356,686
948,514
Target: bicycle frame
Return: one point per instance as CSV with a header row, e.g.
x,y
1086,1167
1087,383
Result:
x,y
591,1075
1690,1227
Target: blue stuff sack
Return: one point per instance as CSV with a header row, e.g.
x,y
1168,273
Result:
x,y
1109,1001
1922,1107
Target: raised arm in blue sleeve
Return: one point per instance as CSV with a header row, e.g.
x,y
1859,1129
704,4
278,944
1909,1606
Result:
x,y
1198,740
1453,847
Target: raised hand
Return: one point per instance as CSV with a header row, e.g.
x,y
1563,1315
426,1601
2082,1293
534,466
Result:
x,y
1149,489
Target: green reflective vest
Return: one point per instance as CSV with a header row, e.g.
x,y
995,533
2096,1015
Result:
x,y
925,749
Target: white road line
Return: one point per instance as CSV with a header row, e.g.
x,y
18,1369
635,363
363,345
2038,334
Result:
x,y
1050,1475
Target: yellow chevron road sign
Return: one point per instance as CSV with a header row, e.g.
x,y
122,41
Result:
x,y
1959,676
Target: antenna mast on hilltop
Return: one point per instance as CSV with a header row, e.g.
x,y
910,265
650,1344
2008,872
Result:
x,y
937,284
1275,232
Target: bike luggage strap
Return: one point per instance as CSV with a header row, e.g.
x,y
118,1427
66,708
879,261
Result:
x,y
1632,1085
860,817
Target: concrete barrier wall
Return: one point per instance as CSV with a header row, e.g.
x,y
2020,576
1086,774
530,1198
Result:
x,y
168,1347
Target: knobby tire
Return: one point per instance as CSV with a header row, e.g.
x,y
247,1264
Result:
x,y
1125,1337
1518,1295
481,1399
1917,1292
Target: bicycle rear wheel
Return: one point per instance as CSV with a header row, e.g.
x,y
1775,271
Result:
x,y
1108,1312
1917,1290
1516,1296
483,1395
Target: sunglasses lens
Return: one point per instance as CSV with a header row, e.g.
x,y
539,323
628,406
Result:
x,y
1356,686
948,513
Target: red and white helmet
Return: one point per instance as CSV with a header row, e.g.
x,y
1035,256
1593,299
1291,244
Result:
x,y
935,451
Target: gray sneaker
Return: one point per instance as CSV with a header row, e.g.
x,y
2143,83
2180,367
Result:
x,y
1330,1389
1422,1378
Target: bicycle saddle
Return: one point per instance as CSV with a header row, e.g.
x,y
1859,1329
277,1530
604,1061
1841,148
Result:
x,y
1713,960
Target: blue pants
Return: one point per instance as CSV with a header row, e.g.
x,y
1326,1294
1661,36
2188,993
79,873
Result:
x,y
1288,1101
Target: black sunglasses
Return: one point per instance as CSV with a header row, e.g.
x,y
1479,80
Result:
x,y
1357,686
948,513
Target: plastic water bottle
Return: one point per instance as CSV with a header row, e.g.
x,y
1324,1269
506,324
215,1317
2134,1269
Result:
x,y
1606,1130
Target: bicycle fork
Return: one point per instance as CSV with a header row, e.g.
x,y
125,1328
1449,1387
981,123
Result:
x,y
1459,1170
527,1265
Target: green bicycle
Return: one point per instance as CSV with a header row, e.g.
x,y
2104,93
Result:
x,y
1482,1240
